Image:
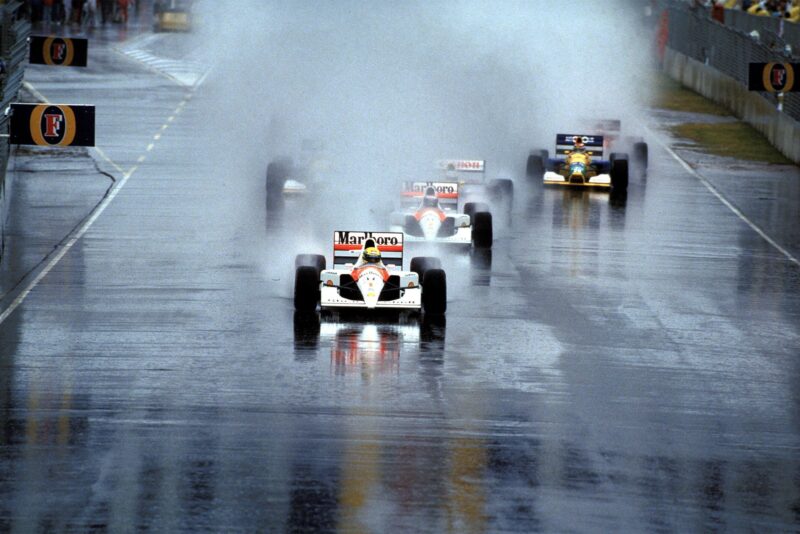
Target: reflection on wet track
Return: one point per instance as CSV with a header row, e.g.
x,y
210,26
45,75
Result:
x,y
614,364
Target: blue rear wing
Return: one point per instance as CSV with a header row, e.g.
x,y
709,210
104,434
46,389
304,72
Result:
x,y
565,143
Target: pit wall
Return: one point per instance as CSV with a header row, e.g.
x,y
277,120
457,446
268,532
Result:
x,y
781,130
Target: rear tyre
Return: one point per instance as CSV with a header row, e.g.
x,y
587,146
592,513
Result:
x,y
434,292
535,167
306,289
482,230
422,264
619,172
640,154
313,260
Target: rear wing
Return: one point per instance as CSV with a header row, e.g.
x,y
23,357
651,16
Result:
x,y
607,126
565,143
446,192
347,247
462,170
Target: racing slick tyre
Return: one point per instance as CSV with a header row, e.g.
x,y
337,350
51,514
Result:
x,y
482,230
640,154
314,260
619,172
306,289
434,292
535,167
471,208
421,264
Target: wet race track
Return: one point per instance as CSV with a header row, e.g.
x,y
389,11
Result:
x,y
625,365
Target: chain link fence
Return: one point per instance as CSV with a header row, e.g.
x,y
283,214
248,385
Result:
x,y
14,33
731,48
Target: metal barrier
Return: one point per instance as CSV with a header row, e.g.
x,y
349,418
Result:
x,y
730,49
14,33
789,32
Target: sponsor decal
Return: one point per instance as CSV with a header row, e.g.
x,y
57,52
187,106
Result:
x,y
462,165
343,239
443,189
569,139
58,51
56,125
772,77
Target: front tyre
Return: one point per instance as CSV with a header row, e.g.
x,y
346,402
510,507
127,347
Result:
x,y
619,172
434,292
314,260
640,154
306,289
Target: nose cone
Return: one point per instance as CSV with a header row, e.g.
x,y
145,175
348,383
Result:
x,y
371,284
430,224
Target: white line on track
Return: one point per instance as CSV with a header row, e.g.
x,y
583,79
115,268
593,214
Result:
x,y
714,191
98,210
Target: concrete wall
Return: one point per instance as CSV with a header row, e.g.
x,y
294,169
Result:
x,y
781,130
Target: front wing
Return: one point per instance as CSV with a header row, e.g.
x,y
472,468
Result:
x,y
410,300
602,181
463,236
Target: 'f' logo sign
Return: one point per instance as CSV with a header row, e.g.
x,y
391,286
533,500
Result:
x,y
52,123
778,77
59,49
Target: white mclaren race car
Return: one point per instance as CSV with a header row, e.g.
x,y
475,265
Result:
x,y
430,213
368,274
497,193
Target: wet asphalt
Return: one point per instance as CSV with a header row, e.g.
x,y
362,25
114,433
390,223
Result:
x,y
614,365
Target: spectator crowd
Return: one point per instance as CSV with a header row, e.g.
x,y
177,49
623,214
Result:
x,y
80,12
786,9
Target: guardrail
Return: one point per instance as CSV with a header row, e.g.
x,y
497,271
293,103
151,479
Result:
x,y
713,59
14,33
728,49
788,32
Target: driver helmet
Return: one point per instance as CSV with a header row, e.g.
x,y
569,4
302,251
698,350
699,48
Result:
x,y
578,140
371,255
430,202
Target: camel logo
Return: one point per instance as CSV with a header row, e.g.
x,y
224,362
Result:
x,y
55,125
58,51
